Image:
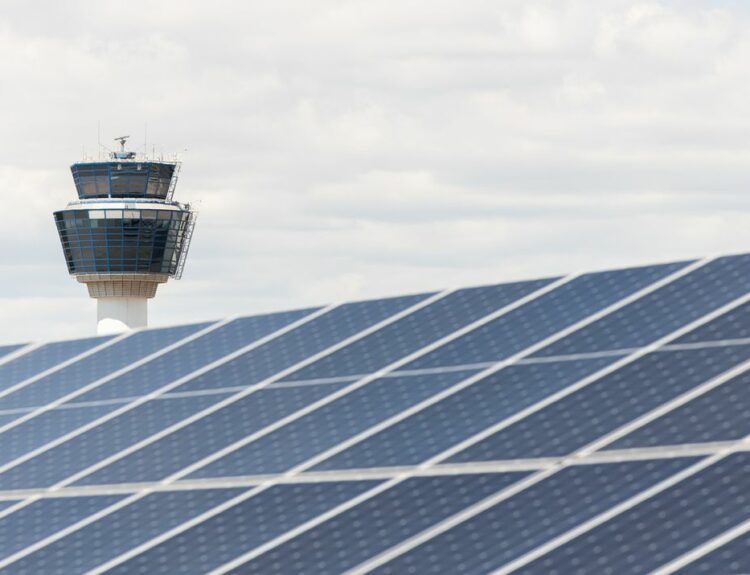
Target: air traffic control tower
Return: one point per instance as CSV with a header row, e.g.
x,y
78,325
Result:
x,y
125,235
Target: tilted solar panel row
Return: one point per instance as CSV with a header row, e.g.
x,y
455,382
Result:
x,y
333,391
665,525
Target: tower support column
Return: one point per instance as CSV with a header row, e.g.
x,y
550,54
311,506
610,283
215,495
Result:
x,y
122,299
119,314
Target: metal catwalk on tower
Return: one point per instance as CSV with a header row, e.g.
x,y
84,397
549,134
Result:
x,y
125,235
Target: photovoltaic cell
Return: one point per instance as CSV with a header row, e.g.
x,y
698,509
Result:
x,y
100,442
229,534
293,347
373,526
45,517
194,355
42,358
330,425
722,414
543,317
461,415
120,531
603,406
202,438
660,528
417,330
532,517
86,371
663,311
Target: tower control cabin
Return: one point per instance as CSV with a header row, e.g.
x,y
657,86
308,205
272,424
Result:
x,y
124,235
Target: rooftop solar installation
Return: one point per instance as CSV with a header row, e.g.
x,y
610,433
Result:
x,y
596,423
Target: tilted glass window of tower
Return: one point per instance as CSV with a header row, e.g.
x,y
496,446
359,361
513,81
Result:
x,y
122,241
123,179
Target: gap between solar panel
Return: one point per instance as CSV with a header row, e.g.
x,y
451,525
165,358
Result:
x,y
537,464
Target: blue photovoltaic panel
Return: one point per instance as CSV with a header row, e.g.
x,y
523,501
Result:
x,y
46,427
721,414
532,517
44,517
660,313
330,425
314,337
378,523
459,416
413,332
662,527
606,404
732,557
120,531
194,355
102,441
229,534
81,373
734,324
204,437
543,317
43,358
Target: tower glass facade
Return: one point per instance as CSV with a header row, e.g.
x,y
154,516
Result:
x,y
123,241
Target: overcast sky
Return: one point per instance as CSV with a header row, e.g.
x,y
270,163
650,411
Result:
x,y
353,149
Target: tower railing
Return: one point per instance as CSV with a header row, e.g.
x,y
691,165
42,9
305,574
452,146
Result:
x,y
175,177
187,238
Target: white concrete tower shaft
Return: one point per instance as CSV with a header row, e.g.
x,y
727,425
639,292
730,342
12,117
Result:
x,y
118,314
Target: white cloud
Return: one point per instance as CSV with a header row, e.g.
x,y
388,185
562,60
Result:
x,y
357,149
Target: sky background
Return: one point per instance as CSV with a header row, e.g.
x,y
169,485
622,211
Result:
x,y
351,149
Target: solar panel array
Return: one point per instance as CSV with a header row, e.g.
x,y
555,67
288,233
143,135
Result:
x,y
596,423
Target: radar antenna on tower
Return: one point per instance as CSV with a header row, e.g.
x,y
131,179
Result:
x,y
123,154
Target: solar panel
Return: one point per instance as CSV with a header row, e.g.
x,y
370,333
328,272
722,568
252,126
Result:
x,y
586,424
